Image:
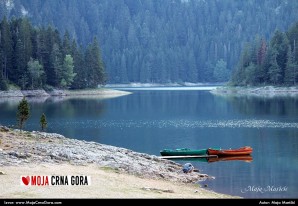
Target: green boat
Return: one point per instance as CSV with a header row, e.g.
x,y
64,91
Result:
x,y
182,152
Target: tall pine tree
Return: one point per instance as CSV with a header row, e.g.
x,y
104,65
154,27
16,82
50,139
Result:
x,y
23,113
290,70
80,80
6,47
94,66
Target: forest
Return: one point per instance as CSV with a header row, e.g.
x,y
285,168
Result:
x,y
39,57
168,41
273,63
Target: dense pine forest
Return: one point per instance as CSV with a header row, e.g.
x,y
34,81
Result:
x,y
161,41
40,58
273,63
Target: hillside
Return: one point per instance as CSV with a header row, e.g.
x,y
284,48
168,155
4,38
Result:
x,y
162,41
269,63
37,57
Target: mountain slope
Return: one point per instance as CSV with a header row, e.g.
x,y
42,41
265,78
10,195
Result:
x,y
162,41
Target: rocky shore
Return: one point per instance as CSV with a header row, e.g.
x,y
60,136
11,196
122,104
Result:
x,y
62,93
22,148
266,91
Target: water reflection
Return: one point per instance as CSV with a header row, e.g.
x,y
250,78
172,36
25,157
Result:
x,y
254,105
244,158
59,111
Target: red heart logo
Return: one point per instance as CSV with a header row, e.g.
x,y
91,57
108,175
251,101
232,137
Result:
x,y
26,180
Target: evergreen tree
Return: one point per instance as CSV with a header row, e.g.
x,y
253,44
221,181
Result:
x,y
55,72
290,70
19,67
6,48
213,30
94,66
34,57
279,43
23,113
67,72
221,73
192,72
239,74
274,70
43,54
123,70
26,37
251,74
24,81
66,47
276,65
261,55
35,70
80,80
52,63
3,85
261,71
43,122
292,35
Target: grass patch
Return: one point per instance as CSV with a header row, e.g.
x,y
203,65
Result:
x,y
109,169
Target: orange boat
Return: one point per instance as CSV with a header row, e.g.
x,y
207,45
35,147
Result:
x,y
231,152
245,158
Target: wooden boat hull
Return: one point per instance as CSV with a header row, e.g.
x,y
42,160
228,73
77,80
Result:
x,y
231,152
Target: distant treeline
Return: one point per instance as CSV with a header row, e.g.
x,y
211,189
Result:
x,y
40,57
162,40
273,63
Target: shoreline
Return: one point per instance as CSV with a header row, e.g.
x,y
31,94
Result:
x,y
40,93
41,96
33,151
148,85
264,91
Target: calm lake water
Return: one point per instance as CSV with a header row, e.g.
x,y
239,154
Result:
x,y
150,120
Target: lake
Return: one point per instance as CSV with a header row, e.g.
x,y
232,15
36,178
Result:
x,y
153,119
